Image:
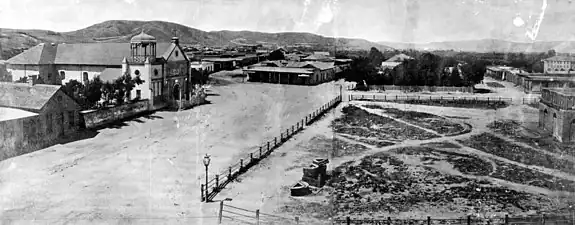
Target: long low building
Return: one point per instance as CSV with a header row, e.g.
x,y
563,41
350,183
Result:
x,y
535,82
289,72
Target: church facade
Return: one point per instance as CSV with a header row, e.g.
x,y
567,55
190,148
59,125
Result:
x,y
164,67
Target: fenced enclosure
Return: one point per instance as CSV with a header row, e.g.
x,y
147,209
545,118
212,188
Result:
x,y
219,181
565,219
419,88
439,99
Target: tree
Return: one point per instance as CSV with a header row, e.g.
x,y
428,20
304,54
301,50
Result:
x,y
124,85
108,91
93,92
454,77
375,57
75,90
551,53
276,55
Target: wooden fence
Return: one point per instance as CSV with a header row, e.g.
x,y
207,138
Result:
x,y
565,219
228,213
420,88
219,181
460,99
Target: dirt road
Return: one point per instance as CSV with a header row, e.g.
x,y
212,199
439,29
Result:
x,y
149,170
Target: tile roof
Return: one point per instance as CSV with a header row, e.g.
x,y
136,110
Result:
x,y
80,54
280,70
322,65
25,96
560,58
399,58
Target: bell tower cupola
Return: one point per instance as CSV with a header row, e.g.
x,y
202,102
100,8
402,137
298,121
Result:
x,y
143,46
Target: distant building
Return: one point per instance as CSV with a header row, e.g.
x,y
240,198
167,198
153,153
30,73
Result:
x,y
207,67
535,82
399,58
557,113
559,64
34,116
290,72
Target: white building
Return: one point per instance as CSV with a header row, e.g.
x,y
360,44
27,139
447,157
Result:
x,y
559,64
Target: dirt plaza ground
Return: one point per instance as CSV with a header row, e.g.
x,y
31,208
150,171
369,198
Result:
x,y
386,159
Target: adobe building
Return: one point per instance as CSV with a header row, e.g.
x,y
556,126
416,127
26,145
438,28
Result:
x,y
557,113
164,67
290,72
34,116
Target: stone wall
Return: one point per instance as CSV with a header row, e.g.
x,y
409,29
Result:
x,y
23,135
96,118
558,122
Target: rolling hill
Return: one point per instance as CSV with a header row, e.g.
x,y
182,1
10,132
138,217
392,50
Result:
x,y
13,41
489,45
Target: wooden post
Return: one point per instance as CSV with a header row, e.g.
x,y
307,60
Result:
x,y
221,212
260,152
202,189
275,141
347,219
428,220
251,157
506,219
297,220
389,218
241,164
468,220
268,146
281,136
258,217
230,174
385,98
217,181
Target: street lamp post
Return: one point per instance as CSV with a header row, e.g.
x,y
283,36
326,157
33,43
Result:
x,y
206,164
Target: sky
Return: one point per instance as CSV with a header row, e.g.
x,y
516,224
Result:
x,y
416,21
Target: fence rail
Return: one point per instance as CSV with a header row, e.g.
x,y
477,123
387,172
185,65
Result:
x,y
220,180
462,99
565,219
420,88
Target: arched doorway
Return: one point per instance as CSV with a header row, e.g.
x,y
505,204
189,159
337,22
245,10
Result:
x,y
176,92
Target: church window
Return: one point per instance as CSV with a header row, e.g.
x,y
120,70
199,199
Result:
x,y
137,72
156,72
138,94
85,76
62,75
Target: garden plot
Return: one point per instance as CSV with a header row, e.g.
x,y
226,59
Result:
x,y
384,185
466,164
492,144
360,123
433,122
369,141
514,130
521,175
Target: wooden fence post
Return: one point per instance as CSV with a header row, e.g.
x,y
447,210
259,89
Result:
x,y
385,98
268,147
217,181
221,212
389,218
241,164
347,219
468,220
258,217
506,219
260,152
428,220
275,141
251,157
281,136
230,174
202,190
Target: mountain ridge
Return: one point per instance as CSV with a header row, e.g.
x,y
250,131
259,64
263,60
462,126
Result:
x,y
488,45
122,30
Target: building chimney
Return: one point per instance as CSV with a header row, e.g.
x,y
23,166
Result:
x,y
176,40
